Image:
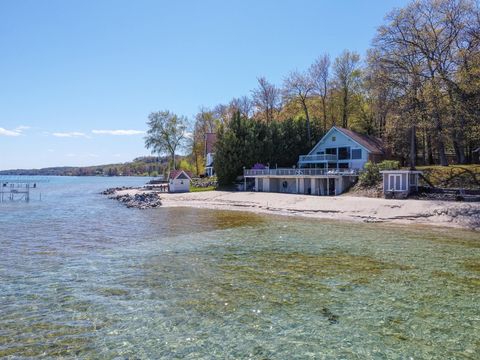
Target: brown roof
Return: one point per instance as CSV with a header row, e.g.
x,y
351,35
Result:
x,y
175,173
210,140
371,143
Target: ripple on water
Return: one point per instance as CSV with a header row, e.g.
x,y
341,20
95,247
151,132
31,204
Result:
x,y
92,279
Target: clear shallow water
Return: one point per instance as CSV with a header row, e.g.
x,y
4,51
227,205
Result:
x,y
83,277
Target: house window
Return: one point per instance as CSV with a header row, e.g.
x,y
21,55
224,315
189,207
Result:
x,y
331,151
334,138
356,153
343,153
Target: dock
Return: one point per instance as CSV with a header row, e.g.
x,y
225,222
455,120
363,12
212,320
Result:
x,y
19,188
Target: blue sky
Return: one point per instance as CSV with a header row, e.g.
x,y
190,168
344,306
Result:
x,y
78,78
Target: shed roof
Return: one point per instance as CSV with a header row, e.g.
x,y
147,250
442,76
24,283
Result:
x,y
176,173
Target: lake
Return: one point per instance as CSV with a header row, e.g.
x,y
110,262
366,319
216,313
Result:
x,y
82,276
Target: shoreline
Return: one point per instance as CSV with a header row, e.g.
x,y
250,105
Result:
x,y
343,208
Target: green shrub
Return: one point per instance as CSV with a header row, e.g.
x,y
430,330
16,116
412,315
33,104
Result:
x,y
370,175
389,165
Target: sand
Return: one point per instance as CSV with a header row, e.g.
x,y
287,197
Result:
x,y
345,207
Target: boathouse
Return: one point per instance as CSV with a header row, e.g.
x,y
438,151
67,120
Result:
x,y
179,181
399,183
330,168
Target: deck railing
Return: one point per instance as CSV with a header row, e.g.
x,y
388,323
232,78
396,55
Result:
x,y
298,172
316,158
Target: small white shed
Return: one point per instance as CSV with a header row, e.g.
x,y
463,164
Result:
x,y
399,183
179,181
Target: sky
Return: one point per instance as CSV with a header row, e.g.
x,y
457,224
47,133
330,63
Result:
x,y
78,78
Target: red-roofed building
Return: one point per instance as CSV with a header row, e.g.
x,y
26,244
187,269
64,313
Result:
x,y
341,148
179,181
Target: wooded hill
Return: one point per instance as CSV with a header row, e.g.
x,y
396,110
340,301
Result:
x,y
141,166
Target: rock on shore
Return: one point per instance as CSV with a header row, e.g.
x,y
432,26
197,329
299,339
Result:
x,y
143,200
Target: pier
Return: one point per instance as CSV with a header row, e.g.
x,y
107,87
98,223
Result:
x,y
19,188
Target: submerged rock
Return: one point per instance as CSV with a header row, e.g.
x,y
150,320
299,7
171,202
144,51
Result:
x,y
112,191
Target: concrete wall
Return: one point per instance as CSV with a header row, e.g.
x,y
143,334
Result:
x,y
313,186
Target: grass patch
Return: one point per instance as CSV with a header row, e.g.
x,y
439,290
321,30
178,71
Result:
x,y
200,189
453,176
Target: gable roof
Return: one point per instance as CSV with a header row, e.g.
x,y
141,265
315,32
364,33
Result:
x,y
174,174
371,143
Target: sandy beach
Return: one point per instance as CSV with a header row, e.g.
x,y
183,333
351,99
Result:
x,y
345,207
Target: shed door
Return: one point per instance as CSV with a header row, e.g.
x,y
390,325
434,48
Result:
x,y
395,182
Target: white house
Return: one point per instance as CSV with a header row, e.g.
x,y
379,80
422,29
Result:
x,y
210,140
343,149
330,168
179,181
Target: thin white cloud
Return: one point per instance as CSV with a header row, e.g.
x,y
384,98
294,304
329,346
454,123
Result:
x,y
118,132
5,132
15,132
69,134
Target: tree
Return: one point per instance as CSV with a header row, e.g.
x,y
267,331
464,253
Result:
x,y
166,133
243,105
347,77
298,87
320,75
423,49
266,99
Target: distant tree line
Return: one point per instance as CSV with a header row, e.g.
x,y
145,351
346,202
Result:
x,y
142,166
418,89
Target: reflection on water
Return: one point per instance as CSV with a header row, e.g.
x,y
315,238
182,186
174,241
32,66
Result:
x,y
82,276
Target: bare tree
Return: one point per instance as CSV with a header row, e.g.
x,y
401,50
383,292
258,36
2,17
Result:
x,y
266,98
429,41
298,86
320,74
347,76
206,120
243,105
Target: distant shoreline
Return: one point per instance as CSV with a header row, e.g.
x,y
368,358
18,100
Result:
x,y
5,173
349,208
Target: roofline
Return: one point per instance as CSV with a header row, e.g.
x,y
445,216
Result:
x,y
356,142
331,129
401,171
182,171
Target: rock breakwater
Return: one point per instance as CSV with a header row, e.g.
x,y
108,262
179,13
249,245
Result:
x,y
143,200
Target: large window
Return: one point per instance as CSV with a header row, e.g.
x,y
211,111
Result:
x,y
343,153
356,153
331,151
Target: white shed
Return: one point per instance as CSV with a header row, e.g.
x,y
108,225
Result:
x,y
399,183
179,181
